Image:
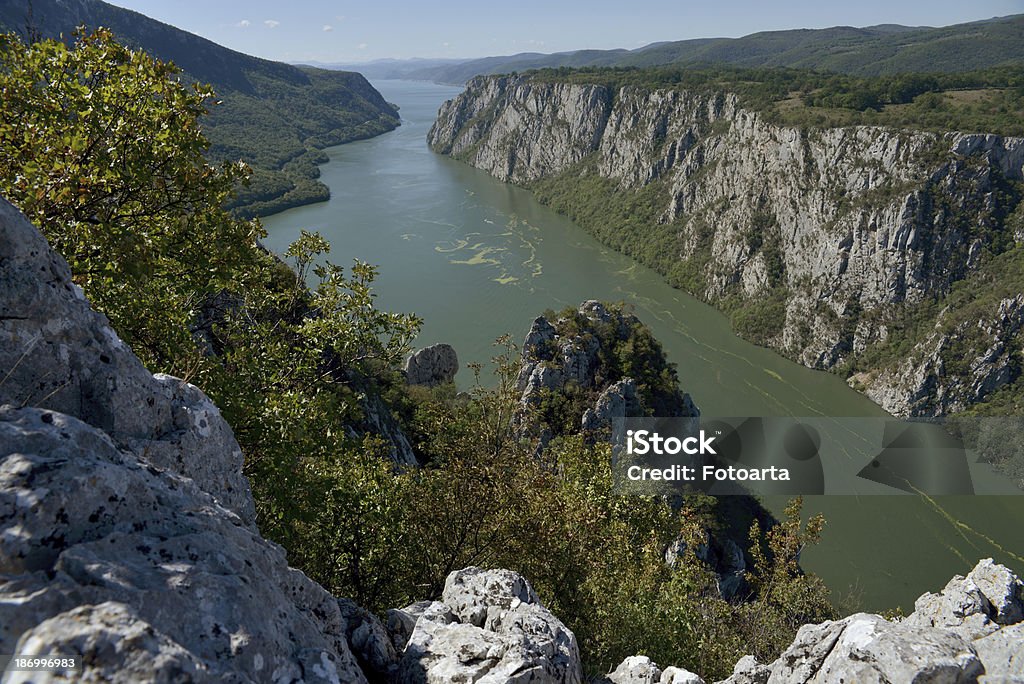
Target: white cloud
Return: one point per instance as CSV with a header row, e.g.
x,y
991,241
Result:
x,y
271,23
244,23
328,28
340,17
362,46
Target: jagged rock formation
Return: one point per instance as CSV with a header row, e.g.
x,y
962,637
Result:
x,y
923,384
489,628
127,532
432,366
972,631
840,230
572,355
58,354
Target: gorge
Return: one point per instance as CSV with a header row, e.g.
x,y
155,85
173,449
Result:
x,y
129,550
825,243
214,465
478,258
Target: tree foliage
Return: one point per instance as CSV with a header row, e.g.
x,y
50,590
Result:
x,y
100,146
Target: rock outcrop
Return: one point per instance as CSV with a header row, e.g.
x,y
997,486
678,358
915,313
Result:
x,y
571,354
969,632
432,366
488,628
127,532
972,631
56,353
844,229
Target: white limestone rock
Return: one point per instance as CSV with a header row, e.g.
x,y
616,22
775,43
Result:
x,y
500,633
61,355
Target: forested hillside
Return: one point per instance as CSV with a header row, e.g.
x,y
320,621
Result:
x,y
870,51
276,117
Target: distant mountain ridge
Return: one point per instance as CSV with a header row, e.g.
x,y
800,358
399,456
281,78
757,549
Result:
x,y
275,116
868,51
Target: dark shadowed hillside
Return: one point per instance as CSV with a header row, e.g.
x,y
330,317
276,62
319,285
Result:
x,y
275,116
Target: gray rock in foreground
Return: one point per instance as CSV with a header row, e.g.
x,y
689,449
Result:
x,y
59,354
143,574
127,532
489,628
972,629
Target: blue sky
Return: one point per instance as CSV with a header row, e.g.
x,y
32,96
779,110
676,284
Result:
x,y
343,31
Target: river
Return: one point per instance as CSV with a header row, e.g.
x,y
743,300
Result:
x,y
477,258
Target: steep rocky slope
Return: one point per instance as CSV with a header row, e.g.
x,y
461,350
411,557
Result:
x,y
824,243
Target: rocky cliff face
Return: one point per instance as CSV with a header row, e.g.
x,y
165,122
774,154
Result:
x,y
846,229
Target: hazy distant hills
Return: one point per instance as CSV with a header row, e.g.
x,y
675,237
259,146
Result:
x,y
870,51
275,116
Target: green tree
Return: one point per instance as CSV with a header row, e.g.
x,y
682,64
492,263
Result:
x,y
100,146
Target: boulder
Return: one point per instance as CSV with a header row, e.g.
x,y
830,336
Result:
x,y
96,541
748,671
971,629
871,650
636,670
499,633
677,675
432,366
974,606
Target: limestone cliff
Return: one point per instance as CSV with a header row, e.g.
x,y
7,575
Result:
x,y
824,240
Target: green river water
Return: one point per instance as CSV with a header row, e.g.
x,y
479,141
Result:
x,y
477,258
